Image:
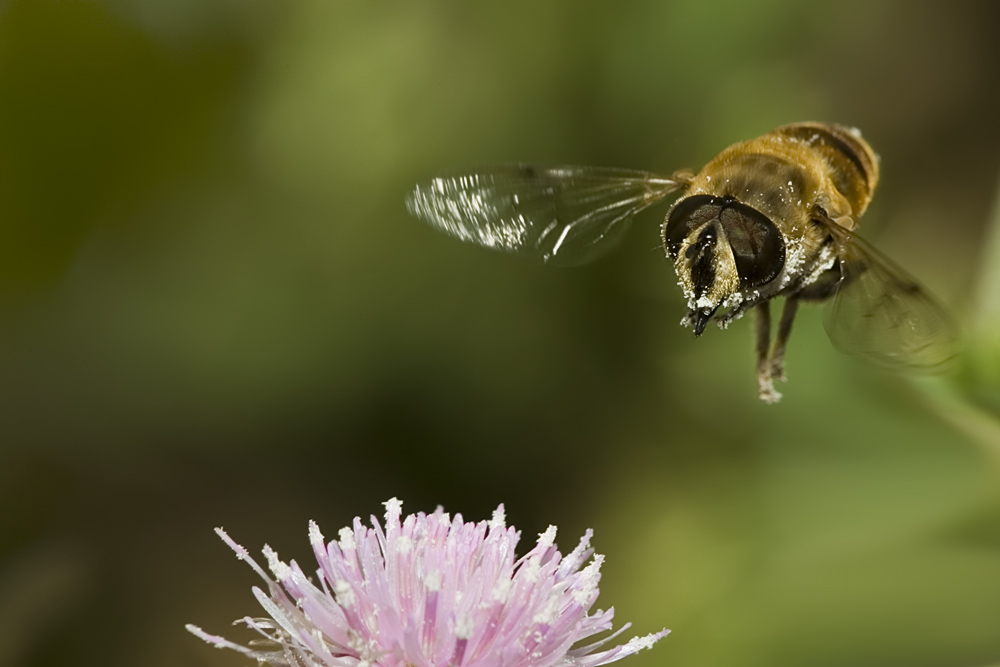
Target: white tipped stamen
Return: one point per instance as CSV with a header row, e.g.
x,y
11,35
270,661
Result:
x,y
532,569
393,507
315,536
575,558
547,615
637,644
280,570
464,627
242,554
344,593
593,569
445,584
347,539
548,538
499,520
216,641
501,592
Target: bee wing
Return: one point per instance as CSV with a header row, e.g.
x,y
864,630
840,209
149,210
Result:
x,y
557,215
880,312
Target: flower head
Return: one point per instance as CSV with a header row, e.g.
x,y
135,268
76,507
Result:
x,y
432,591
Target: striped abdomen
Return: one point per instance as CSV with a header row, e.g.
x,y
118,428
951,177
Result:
x,y
854,164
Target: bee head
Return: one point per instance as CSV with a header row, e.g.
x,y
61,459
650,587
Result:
x,y
720,248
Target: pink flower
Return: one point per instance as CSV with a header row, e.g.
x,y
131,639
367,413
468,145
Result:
x,y
432,591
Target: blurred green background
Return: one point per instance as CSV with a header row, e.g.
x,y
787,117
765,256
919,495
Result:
x,y
214,310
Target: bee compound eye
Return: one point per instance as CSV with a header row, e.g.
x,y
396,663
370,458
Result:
x,y
686,216
757,244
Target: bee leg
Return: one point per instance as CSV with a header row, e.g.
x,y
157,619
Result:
x,y
765,384
784,331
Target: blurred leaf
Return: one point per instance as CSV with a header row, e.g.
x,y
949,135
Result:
x,y
980,378
39,588
988,289
94,115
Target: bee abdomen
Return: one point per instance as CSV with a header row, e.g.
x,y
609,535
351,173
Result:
x,y
854,165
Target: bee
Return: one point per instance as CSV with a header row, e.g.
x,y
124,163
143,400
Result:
x,y
774,216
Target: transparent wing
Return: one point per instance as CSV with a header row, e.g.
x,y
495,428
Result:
x,y
557,215
880,312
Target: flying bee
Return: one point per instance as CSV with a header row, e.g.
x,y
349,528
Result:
x,y
772,216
